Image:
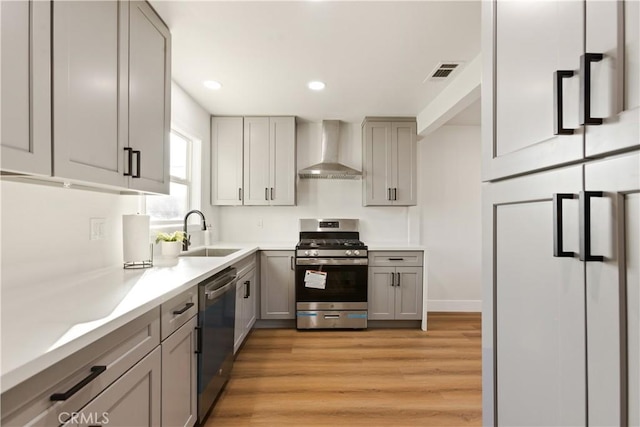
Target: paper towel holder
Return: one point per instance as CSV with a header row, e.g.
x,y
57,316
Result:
x,y
141,264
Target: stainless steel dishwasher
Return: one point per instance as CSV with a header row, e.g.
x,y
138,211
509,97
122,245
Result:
x,y
216,317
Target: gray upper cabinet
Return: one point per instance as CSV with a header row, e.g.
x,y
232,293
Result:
x,y
519,77
613,30
535,118
226,160
149,97
253,161
25,139
389,162
109,81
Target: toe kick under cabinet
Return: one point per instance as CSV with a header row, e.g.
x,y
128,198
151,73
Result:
x,y
395,285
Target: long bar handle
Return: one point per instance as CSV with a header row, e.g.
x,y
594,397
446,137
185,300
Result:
x,y
398,284
389,193
186,307
393,278
198,331
247,289
558,102
95,372
585,88
395,193
266,193
240,194
129,161
138,155
558,250
271,193
291,260
585,226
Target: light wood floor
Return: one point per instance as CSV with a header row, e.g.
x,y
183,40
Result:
x,y
377,377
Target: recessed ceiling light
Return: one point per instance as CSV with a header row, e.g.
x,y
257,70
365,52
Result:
x,y
212,84
316,85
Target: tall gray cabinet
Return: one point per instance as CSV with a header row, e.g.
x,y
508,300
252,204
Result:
x,y
561,219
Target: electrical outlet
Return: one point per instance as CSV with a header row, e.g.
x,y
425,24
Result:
x,y
98,228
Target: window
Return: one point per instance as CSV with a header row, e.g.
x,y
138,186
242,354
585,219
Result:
x,y
172,208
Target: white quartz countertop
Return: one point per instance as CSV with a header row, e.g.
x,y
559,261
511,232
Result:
x,y
57,318
54,319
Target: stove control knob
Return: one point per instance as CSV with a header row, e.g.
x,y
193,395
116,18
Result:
x,y
356,252
348,252
314,253
306,253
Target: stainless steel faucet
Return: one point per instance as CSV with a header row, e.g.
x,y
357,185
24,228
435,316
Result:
x,y
187,237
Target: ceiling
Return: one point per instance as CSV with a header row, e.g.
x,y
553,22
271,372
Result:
x,y
373,56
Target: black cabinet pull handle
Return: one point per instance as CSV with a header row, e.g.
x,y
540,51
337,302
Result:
x,y
291,261
388,193
129,161
585,226
585,88
95,372
395,194
393,279
266,193
247,291
185,308
558,250
398,284
271,193
396,259
138,155
558,102
240,194
198,331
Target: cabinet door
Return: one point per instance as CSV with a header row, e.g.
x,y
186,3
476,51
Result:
x,y
256,161
226,160
526,42
89,112
533,309
377,163
381,293
149,97
612,291
249,301
613,29
282,161
404,163
25,139
179,377
408,304
132,401
238,325
277,290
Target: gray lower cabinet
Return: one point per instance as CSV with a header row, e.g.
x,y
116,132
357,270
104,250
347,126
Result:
x,y
277,285
395,285
132,401
246,308
127,385
179,377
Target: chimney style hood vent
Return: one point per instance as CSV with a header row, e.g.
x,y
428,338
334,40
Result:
x,y
329,168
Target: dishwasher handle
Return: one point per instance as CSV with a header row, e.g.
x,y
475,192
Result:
x,y
215,294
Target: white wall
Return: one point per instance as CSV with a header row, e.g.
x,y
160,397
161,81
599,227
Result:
x,y
450,208
318,198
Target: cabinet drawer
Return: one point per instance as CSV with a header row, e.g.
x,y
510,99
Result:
x,y
29,403
177,311
396,258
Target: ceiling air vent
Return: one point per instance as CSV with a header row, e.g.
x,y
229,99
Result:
x,y
443,70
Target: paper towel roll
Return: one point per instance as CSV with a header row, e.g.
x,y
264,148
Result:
x,y
135,238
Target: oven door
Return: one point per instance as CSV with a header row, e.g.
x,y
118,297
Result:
x,y
346,280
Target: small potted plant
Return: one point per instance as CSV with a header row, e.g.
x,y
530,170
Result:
x,y
170,243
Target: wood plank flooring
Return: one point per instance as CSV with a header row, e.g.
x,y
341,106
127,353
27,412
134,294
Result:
x,y
377,377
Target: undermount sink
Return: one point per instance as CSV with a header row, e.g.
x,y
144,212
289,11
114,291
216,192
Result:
x,y
219,252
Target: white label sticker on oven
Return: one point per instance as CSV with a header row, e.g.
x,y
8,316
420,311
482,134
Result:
x,y
315,279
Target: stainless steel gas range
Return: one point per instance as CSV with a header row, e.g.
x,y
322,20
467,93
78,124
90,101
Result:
x,y
331,275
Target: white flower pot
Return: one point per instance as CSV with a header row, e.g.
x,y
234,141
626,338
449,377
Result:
x,y
170,249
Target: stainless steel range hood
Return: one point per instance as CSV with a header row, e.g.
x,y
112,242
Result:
x,y
329,167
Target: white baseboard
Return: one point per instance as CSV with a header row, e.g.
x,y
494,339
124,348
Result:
x,y
454,305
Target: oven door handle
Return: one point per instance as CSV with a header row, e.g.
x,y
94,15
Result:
x,y
332,261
